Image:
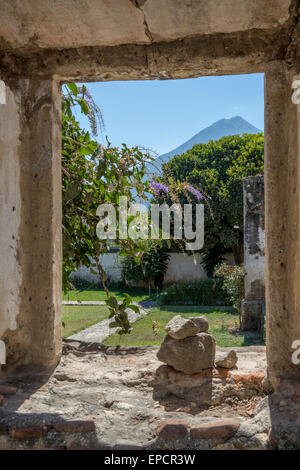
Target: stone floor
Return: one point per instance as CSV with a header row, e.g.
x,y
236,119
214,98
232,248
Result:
x,y
106,397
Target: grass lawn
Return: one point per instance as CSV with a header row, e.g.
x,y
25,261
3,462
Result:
x,y
223,325
79,318
137,294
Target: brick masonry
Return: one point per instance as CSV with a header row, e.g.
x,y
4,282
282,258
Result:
x,y
215,430
172,429
37,432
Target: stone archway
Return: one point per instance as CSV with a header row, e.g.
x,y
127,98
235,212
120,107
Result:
x,y
135,41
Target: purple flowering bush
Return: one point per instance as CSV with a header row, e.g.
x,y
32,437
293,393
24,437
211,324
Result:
x,y
157,188
194,191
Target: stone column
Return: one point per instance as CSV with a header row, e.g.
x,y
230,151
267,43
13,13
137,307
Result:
x,y
282,195
254,253
30,221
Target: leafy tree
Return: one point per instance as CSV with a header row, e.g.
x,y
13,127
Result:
x,y
77,170
217,169
94,175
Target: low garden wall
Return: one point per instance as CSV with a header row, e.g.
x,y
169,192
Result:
x,y
182,267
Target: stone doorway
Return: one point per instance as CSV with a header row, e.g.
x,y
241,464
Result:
x,y
35,59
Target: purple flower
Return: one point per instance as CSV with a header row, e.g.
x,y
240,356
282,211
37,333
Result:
x,y
194,191
157,188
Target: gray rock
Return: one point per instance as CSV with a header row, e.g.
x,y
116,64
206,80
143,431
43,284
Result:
x,y
201,322
261,423
180,328
262,405
227,360
188,355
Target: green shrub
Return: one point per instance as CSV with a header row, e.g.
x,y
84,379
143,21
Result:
x,y
131,269
233,278
78,283
151,268
201,292
117,284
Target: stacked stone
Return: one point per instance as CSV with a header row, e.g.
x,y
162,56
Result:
x,y
188,347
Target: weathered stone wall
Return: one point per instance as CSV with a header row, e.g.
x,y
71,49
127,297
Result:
x,y
282,192
35,25
139,40
10,213
30,220
136,41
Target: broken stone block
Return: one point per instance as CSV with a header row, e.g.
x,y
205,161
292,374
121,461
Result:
x,y
180,328
189,355
201,322
75,426
8,390
30,432
172,429
220,429
227,359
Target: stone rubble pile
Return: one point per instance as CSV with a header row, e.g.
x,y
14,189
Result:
x,y
189,348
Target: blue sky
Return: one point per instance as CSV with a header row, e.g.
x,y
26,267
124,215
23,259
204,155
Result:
x,y
163,114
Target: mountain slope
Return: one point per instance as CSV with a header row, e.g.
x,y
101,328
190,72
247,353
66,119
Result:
x,y
221,128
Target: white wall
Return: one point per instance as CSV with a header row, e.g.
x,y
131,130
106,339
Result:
x,y
111,264
181,268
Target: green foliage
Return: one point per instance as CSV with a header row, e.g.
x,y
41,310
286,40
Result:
x,y
233,283
216,169
201,292
132,269
77,195
151,267
117,311
94,175
79,284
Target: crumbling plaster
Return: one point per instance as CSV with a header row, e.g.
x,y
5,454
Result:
x,y
135,39
43,43
33,24
10,212
30,215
